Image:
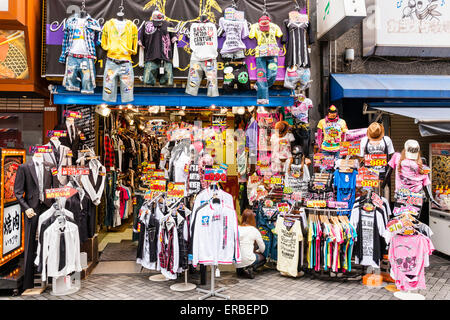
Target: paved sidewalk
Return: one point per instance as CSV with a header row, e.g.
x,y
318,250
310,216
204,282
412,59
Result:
x,y
268,284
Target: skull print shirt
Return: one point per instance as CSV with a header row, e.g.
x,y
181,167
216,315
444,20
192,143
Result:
x,y
409,255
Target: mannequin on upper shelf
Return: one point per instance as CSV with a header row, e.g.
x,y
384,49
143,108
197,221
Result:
x,y
32,179
81,35
119,40
234,29
156,49
331,132
266,53
203,43
72,140
297,35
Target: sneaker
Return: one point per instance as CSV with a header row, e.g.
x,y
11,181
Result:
x,y
250,273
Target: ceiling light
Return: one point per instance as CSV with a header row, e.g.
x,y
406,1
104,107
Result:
x,y
131,122
223,110
121,107
129,106
241,110
213,106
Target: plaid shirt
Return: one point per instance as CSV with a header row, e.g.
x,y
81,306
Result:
x,y
93,35
109,153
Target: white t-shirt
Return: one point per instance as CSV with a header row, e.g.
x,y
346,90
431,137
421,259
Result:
x,y
180,175
377,147
203,41
248,235
288,246
79,44
281,147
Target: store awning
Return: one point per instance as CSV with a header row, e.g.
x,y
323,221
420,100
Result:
x,y
174,97
432,120
376,86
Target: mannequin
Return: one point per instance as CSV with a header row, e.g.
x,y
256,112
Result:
x,y
156,48
409,171
60,155
297,35
233,50
81,36
251,135
119,47
297,173
331,132
32,179
203,43
377,143
266,53
300,129
72,140
280,142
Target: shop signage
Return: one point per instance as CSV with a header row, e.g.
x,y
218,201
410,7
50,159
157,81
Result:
x,y
176,190
375,160
65,192
74,171
12,229
334,18
40,149
407,28
180,13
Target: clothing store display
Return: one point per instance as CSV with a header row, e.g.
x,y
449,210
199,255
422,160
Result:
x,y
266,74
266,40
123,70
345,183
332,133
58,158
203,42
289,236
80,73
407,174
72,140
94,182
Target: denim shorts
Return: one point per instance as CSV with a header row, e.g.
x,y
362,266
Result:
x,y
123,71
76,69
152,73
196,71
297,75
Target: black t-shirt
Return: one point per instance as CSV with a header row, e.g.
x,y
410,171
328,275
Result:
x,y
156,39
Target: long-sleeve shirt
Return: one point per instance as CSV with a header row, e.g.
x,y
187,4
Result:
x,y
248,235
120,45
216,239
52,250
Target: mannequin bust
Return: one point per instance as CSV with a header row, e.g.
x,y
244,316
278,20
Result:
x,y
280,142
331,132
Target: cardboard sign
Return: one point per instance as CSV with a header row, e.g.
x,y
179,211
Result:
x,y
74,171
56,133
72,114
40,149
405,210
158,174
405,196
375,160
176,190
65,192
316,204
323,161
338,204
158,185
283,207
376,199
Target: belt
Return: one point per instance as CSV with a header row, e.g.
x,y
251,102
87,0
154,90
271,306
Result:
x,y
118,61
82,56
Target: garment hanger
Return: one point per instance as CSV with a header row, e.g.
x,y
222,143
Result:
x,y
83,12
120,14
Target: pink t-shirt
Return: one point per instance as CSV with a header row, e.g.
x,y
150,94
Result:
x,y
409,177
409,255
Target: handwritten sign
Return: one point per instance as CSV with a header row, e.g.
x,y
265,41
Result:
x,y
316,204
158,185
176,190
65,192
375,160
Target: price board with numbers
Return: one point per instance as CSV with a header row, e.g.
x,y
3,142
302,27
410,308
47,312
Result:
x,y
158,185
375,160
316,204
176,190
215,175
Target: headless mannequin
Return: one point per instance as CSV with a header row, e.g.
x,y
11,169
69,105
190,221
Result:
x,y
331,117
37,157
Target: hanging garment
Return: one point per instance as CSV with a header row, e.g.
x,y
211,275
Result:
x,y
297,36
265,222
234,32
168,255
94,182
289,238
345,184
84,213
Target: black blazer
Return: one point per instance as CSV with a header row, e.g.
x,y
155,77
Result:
x,y
26,185
74,145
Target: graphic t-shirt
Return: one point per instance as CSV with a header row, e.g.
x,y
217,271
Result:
x,y
267,41
281,146
241,155
332,131
288,245
295,179
300,110
203,41
409,177
157,41
409,255
234,32
79,36
345,183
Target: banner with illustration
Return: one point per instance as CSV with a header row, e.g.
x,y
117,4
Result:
x,y
180,13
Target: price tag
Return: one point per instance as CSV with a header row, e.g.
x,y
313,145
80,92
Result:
x,y
283,207
74,171
377,201
323,161
161,70
158,174
338,204
215,175
348,148
134,201
82,136
405,210
368,183
65,192
41,149
375,160
176,190
316,204
405,196
56,133
158,185
287,190
72,114
278,180
69,153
